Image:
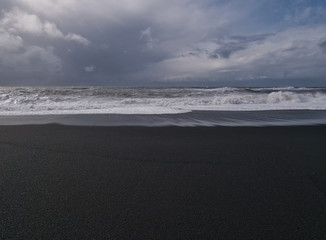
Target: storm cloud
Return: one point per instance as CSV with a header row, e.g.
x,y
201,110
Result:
x,y
155,42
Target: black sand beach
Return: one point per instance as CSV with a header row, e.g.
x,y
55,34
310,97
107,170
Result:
x,y
64,182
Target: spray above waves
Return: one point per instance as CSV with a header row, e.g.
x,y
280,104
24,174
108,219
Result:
x,y
102,100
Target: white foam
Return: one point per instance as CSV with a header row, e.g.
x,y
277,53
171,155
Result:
x,y
48,101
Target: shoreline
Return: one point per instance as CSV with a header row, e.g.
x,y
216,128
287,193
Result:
x,y
62,181
190,119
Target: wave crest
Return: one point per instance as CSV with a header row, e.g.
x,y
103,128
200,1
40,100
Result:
x,y
96,100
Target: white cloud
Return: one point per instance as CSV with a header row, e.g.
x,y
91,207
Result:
x,y
294,52
17,21
296,43
179,17
90,68
176,24
146,33
19,57
51,30
100,8
49,7
147,36
77,38
9,42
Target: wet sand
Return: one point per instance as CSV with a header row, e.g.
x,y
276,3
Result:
x,y
65,182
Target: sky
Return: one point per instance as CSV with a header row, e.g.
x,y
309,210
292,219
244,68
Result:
x,y
163,43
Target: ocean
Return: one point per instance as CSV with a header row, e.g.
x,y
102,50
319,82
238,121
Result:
x,y
107,106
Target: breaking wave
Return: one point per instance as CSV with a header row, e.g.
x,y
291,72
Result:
x,y
103,100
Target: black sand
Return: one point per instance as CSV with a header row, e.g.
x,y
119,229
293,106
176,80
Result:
x,y
60,182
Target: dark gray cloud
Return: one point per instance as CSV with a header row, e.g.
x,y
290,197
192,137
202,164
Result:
x,y
144,42
322,45
227,49
236,43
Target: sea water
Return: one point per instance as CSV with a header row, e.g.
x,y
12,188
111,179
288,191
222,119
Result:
x,y
105,106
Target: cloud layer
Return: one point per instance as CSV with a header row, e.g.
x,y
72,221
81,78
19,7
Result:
x,y
149,42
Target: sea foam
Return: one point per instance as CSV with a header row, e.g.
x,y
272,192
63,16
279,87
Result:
x,y
103,100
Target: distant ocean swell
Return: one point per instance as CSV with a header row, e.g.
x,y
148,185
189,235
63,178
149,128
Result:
x,y
103,100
